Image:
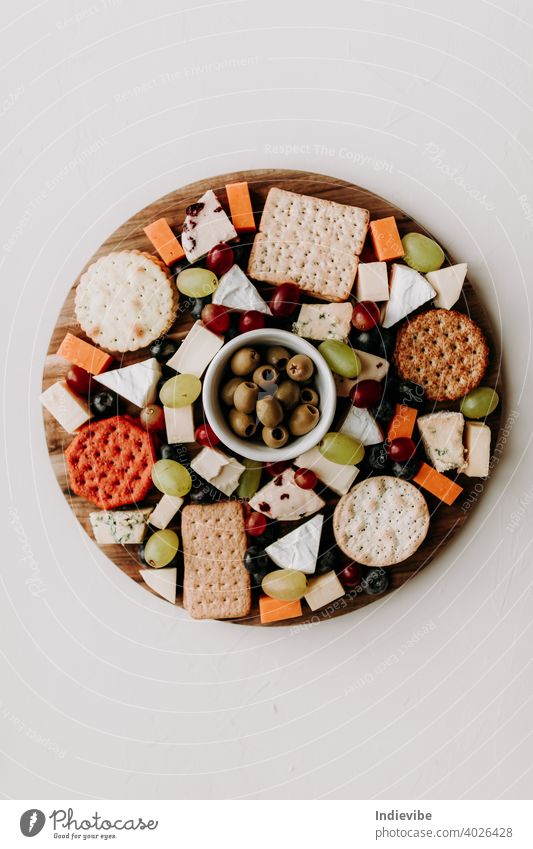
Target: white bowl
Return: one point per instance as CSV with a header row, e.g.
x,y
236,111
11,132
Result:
x,y
216,412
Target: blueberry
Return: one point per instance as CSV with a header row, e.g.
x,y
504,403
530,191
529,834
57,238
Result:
x,y
327,561
197,305
174,451
163,349
406,471
409,393
377,457
256,578
256,559
375,582
202,494
388,341
369,341
232,333
385,409
105,403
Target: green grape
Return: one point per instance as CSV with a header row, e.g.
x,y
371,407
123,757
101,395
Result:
x,y
479,403
161,548
342,449
422,253
180,391
250,478
340,358
284,585
196,282
171,477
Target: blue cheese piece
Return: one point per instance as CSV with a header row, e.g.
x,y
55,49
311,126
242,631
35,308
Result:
x,y
66,407
361,424
298,550
136,383
122,527
165,510
335,476
323,590
442,438
236,292
196,351
324,321
282,498
218,469
408,291
448,284
179,424
206,225
161,581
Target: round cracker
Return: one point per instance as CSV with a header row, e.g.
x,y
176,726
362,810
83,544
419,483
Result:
x,y
381,521
126,300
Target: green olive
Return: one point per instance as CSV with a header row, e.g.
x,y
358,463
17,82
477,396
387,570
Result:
x,y
241,423
275,437
300,368
288,394
269,411
245,397
243,362
266,377
303,419
308,395
277,356
228,390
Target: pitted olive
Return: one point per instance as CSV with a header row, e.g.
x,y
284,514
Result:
x,y
277,356
241,423
300,368
275,437
228,390
269,411
266,377
243,362
288,394
245,397
309,396
303,419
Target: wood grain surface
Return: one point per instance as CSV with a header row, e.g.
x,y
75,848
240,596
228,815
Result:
x,y
445,521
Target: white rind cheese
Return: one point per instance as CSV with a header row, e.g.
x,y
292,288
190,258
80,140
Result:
x,y
179,424
119,527
361,424
323,590
196,351
448,284
282,498
298,550
477,449
161,581
337,477
164,511
236,292
372,282
324,321
408,291
206,226
218,469
136,383
66,407
442,438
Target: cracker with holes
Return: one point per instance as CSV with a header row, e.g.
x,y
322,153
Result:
x,y
110,462
444,351
126,300
381,521
216,584
312,242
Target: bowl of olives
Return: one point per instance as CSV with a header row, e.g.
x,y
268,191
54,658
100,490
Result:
x,y
269,395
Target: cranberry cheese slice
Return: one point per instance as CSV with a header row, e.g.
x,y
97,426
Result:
x,y
282,498
206,225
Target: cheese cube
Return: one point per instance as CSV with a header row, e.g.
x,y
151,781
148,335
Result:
x,y
165,510
206,225
477,447
119,527
361,424
386,239
437,484
274,610
84,355
448,283
333,475
442,438
323,590
179,424
324,321
218,469
196,351
161,581
408,291
164,241
372,282
240,207
68,409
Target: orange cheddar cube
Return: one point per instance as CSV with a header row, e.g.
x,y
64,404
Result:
x,y
164,241
84,355
240,207
386,239
402,423
274,610
437,484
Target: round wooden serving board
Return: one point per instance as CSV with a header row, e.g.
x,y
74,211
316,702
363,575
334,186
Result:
x,y
445,520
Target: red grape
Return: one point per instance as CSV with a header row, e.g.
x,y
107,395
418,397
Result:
x,y
275,469
366,393
220,259
152,417
216,318
285,299
365,315
351,575
78,380
205,435
305,479
255,524
251,320
401,449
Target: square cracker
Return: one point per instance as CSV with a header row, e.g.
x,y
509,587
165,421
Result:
x,y
312,242
216,584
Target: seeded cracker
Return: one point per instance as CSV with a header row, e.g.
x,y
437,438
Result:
x,y
381,521
216,584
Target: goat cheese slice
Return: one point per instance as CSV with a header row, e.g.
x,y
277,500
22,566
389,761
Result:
x,y
161,581
237,292
408,291
323,589
119,527
372,282
448,284
361,424
179,424
282,498
136,383
206,225
66,407
336,477
477,449
165,510
218,469
324,321
298,550
196,351
442,438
